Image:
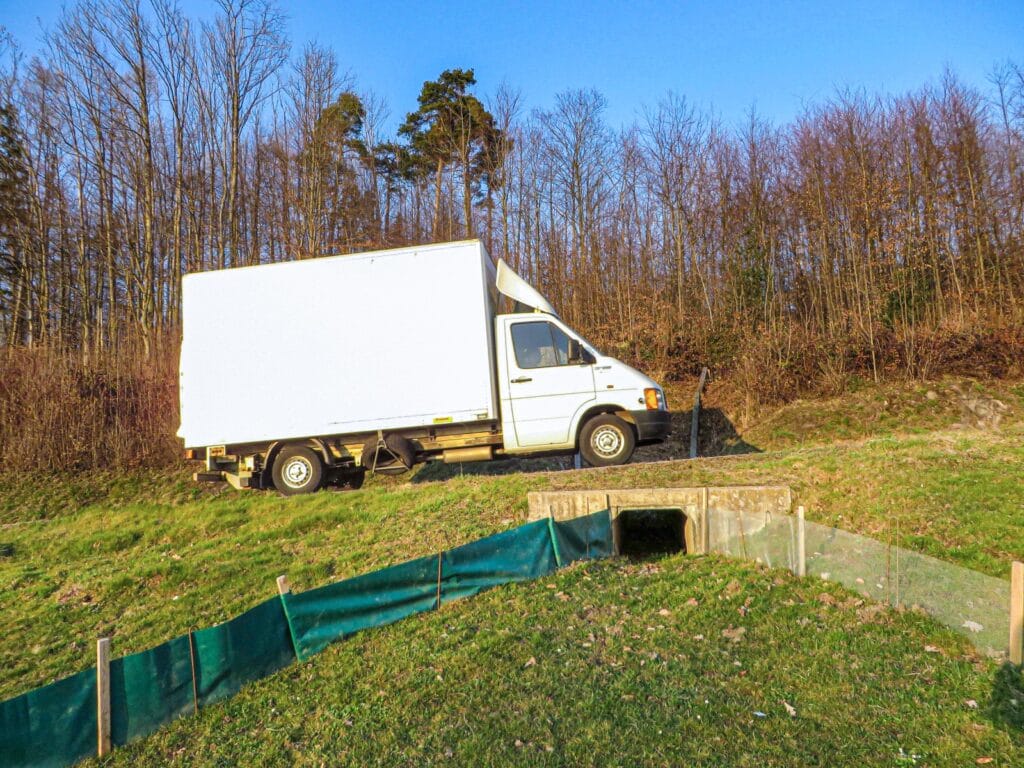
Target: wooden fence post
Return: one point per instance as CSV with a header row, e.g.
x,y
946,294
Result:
x,y
801,543
554,538
440,561
192,661
103,746
613,520
1017,612
705,514
283,587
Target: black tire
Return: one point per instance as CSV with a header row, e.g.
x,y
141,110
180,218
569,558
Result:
x,y
297,469
606,441
398,456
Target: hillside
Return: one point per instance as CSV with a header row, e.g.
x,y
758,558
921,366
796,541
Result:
x,y
142,557
675,662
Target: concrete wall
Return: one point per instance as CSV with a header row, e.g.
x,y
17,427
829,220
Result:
x,y
694,503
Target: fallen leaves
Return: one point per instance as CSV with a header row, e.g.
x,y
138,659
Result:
x,y
74,594
735,634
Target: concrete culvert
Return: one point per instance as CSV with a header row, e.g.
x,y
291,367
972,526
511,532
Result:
x,y
646,532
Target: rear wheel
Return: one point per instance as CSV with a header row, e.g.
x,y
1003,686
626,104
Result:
x,y
297,469
607,440
392,457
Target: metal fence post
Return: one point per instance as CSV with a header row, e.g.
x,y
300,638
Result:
x,y
695,414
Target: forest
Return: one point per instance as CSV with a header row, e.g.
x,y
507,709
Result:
x,y
872,237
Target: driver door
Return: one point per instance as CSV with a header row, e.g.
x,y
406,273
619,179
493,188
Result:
x,y
545,389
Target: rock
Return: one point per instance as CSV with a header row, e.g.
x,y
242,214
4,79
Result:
x,y
980,411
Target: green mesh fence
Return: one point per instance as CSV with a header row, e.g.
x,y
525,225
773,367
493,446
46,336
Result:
x,y
249,647
56,725
517,555
148,689
51,726
321,616
584,538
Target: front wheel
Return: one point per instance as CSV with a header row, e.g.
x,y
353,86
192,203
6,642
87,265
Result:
x,y
297,469
606,441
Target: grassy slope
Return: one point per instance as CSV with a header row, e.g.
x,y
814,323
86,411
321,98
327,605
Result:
x,y
611,664
145,556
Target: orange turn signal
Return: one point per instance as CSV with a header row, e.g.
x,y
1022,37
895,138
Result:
x,y
651,399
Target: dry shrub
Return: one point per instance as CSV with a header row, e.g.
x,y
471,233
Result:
x,y
769,366
992,353
60,411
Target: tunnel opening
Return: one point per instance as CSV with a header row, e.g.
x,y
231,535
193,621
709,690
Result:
x,y
643,533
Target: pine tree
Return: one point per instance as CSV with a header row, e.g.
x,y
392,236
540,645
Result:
x,y
451,126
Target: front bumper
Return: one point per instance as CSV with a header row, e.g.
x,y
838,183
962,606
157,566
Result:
x,y
651,426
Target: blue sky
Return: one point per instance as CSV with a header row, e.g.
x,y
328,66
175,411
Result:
x,y
725,56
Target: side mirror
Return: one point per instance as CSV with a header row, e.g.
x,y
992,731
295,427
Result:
x,y
578,355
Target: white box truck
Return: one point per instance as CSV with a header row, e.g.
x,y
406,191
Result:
x,y
300,373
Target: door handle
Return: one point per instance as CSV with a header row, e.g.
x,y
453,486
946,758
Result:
x,y
602,367
521,380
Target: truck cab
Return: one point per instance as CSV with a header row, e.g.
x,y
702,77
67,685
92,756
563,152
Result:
x,y
558,393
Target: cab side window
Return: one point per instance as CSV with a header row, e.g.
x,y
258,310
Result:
x,y
561,344
539,345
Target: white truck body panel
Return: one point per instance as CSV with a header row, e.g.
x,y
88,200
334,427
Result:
x,y
343,344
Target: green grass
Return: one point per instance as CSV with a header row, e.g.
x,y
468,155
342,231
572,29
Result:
x,y
142,556
666,662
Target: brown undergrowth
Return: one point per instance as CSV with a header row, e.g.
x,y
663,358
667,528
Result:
x,y
62,410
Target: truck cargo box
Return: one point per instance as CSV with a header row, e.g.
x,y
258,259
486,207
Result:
x,y
338,345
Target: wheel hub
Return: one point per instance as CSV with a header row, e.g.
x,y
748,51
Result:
x,y
297,472
607,441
